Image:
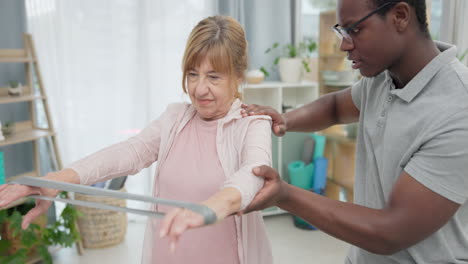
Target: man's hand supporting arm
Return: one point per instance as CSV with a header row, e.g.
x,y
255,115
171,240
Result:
x,y
412,213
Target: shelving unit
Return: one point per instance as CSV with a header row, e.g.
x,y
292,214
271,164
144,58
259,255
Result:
x,y
340,148
340,152
330,56
29,130
279,95
33,92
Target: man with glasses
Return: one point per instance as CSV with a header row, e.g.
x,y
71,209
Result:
x,y
411,177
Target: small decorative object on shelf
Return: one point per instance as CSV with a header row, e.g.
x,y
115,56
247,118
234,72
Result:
x,y
339,78
8,128
255,76
1,132
15,88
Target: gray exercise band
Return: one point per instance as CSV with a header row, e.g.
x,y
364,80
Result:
x,y
208,214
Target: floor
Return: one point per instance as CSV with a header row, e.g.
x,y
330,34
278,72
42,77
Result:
x,y
290,246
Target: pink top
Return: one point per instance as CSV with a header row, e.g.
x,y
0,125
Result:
x,y
241,144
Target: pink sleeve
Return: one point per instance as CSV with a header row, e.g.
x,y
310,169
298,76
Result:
x,y
256,151
124,158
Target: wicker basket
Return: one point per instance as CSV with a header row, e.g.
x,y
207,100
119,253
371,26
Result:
x,y
101,228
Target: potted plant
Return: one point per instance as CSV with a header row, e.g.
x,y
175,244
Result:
x,y
17,244
15,88
292,59
8,128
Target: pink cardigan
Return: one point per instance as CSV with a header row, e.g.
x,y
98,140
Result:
x,y
242,143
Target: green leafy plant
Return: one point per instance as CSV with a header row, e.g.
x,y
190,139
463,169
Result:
x,y
302,50
13,84
8,128
63,233
462,56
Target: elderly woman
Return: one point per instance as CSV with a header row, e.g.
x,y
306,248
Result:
x,y
205,152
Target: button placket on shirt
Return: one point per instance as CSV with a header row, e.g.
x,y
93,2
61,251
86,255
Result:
x,y
384,111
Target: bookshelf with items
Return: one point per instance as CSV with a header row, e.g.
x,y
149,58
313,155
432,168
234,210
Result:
x,y
28,130
336,74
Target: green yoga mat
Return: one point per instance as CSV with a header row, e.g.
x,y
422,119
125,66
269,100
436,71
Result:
x,y
300,174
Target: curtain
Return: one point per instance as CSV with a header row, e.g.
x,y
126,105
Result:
x,y
453,25
265,22
110,67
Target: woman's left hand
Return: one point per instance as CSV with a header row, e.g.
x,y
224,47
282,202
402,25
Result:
x,y
178,221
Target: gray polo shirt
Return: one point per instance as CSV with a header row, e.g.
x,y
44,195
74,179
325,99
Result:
x,y
423,130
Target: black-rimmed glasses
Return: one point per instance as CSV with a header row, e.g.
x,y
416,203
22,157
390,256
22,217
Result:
x,y
346,32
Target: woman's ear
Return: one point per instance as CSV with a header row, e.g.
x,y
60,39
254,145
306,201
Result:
x,y
401,16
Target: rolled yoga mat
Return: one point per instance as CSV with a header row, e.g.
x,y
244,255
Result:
x,y
308,151
300,174
319,145
320,175
2,169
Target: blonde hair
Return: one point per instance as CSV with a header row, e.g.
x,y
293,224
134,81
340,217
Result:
x,y
222,40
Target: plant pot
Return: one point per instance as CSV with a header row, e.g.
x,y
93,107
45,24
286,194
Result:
x,y
290,69
15,91
7,234
255,76
8,129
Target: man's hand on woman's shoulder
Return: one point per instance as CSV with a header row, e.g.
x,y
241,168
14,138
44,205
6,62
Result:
x,y
279,122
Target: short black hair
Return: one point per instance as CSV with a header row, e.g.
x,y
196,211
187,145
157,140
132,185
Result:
x,y
419,7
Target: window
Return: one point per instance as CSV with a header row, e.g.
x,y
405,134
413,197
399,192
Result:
x,y
310,16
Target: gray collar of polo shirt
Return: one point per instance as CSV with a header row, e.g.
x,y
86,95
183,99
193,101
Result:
x,y
417,84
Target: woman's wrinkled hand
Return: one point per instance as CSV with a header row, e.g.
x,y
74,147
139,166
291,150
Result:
x,y
279,122
10,193
178,221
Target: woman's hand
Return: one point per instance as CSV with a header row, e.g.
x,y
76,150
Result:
x,y
223,203
279,122
176,222
274,190
12,192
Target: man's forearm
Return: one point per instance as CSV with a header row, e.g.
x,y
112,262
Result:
x,y
358,225
313,116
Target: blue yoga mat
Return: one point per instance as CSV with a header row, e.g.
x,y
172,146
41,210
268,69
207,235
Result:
x,y
300,174
320,175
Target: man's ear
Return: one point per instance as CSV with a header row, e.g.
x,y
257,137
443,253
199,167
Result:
x,y
401,16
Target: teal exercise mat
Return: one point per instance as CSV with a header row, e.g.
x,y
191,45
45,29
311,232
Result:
x,y
2,169
208,214
319,148
300,174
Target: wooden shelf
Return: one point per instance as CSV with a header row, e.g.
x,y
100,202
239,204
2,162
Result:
x,y
266,85
14,55
25,136
333,56
17,99
340,137
29,173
